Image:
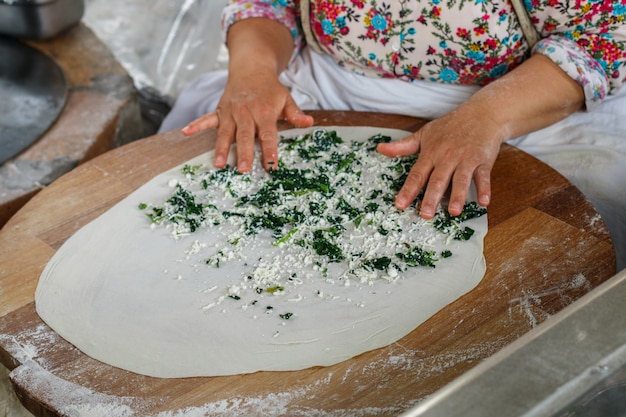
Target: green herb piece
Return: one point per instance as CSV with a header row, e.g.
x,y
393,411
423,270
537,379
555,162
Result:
x,y
371,207
335,231
313,145
470,211
286,237
181,207
143,206
464,234
211,261
222,175
294,142
295,216
285,316
190,169
228,214
448,224
324,247
380,264
343,161
325,139
400,172
275,289
267,220
234,297
317,208
416,256
358,220
345,208
374,194
446,254
376,139
296,179
157,214
267,196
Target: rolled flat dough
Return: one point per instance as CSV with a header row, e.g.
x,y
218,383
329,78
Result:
x,y
137,298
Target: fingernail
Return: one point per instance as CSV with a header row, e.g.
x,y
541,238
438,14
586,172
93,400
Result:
x,y
426,213
455,207
243,167
400,203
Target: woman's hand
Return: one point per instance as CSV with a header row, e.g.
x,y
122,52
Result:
x,y
248,109
254,99
462,145
455,148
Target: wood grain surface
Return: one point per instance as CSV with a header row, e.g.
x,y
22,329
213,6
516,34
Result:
x,y
546,247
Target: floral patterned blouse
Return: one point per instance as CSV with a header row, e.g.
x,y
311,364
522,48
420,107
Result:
x,y
458,41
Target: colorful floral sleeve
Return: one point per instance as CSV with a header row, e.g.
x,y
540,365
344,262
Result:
x,y
587,39
285,12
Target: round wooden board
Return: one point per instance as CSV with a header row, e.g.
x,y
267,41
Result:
x,y
545,248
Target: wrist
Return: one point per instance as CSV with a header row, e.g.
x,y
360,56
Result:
x,y
259,44
484,118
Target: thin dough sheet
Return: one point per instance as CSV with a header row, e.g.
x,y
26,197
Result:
x,y
132,295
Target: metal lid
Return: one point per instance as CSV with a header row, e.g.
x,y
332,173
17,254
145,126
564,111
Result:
x,y
33,91
25,2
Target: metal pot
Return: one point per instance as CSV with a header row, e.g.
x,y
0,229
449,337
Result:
x,y
39,19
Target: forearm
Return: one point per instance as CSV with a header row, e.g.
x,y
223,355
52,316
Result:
x,y
535,95
258,44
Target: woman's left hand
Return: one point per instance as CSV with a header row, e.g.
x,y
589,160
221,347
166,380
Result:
x,y
462,145
453,149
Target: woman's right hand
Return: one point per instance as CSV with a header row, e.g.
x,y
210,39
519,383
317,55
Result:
x,y
254,99
249,109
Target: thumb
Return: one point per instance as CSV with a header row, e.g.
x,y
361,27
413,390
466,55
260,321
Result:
x,y
408,145
208,121
294,115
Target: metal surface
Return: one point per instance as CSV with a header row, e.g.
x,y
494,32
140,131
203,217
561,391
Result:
x,y
574,364
39,19
605,399
33,92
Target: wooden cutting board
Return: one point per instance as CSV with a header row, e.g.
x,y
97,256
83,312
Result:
x,y
545,248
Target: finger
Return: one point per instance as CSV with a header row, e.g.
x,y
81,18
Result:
x,y
244,137
435,189
208,121
223,142
461,182
482,179
409,145
294,115
268,139
414,183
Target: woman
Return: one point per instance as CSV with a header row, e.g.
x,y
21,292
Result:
x,y
467,65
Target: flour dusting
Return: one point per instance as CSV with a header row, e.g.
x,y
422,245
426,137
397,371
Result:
x,y
530,304
71,399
